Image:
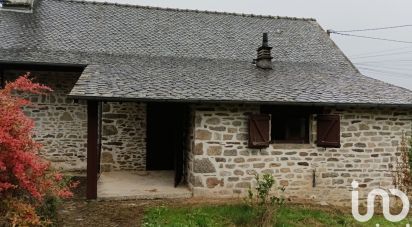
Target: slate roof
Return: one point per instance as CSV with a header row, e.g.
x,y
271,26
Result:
x,y
144,53
185,79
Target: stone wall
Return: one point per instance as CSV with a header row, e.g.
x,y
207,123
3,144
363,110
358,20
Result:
x,y
223,165
123,136
61,126
219,162
61,123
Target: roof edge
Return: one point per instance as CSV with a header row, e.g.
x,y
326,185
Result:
x,y
194,101
188,10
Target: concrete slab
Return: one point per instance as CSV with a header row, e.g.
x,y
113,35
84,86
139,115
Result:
x,y
122,185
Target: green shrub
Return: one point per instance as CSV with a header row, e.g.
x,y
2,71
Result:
x,y
264,203
48,209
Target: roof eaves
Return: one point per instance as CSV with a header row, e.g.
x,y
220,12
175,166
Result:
x,y
197,101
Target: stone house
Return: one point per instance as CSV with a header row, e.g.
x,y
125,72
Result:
x,y
148,89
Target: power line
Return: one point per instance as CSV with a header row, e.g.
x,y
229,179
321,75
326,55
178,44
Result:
x,y
388,69
406,68
391,69
406,61
382,55
400,70
380,74
392,75
389,72
374,29
381,51
369,37
392,63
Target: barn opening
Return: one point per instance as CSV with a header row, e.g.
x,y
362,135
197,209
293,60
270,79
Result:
x,y
167,131
167,140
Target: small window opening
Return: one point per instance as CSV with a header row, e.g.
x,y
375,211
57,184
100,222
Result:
x,y
289,124
290,129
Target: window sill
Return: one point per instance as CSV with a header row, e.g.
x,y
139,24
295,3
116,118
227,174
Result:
x,y
292,146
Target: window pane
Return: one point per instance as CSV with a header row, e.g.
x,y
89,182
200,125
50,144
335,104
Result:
x,y
279,130
295,129
290,129
290,124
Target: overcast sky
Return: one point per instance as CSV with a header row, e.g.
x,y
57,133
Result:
x,y
387,61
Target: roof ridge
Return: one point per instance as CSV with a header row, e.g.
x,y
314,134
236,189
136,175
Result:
x,y
188,10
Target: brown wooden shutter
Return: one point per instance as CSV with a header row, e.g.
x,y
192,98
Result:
x,y
328,130
259,130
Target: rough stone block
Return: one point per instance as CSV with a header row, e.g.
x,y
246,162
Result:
x,y
213,121
218,128
109,130
203,165
198,149
202,134
214,150
231,152
212,182
66,117
243,185
239,172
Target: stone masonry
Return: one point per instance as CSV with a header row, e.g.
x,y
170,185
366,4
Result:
x,y
123,136
221,164
61,126
61,123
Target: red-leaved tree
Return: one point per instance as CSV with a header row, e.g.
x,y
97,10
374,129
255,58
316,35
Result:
x,y
25,178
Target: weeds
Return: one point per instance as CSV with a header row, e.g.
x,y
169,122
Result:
x,y
402,177
263,202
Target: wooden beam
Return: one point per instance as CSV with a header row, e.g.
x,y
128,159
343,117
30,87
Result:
x,y
2,79
93,151
99,135
42,67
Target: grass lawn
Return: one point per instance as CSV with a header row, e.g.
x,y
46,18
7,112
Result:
x,y
242,215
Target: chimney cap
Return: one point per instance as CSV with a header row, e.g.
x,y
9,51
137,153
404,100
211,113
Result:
x,y
264,56
265,40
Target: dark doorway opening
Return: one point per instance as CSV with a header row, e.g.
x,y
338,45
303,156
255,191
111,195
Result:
x,y
167,128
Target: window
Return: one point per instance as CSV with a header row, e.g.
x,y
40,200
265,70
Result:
x,y
259,130
293,129
289,124
286,124
328,130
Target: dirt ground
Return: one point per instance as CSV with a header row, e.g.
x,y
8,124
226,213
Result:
x,y
118,213
104,213
80,212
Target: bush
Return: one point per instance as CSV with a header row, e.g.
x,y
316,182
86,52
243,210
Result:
x,y
263,202
48,209
401,173
28,184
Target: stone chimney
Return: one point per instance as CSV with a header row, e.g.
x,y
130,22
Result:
x,y
264,56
